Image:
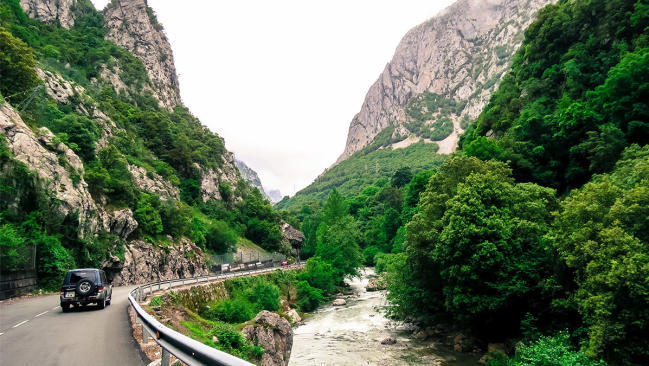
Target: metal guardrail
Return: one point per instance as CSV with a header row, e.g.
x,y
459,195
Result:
x,y
187,350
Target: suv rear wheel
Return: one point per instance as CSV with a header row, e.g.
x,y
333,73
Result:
x,y
65,307
102,303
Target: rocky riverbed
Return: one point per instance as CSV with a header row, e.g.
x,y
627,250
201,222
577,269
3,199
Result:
x,y
357,334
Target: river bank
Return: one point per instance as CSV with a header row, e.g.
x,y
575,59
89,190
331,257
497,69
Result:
x,y
352,335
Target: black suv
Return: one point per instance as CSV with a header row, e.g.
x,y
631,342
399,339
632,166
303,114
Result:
x,y
84,286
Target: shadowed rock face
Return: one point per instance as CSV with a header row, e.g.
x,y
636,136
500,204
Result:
x,y
132,25
460,54
274,334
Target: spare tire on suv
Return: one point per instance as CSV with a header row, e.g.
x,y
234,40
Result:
x,y
84,287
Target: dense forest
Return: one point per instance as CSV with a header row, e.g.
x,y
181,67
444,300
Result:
x,y
169,143
536,232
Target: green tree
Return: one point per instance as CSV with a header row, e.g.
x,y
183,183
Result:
x,y
401,177
491,253
319,274
17,63
334,208
602,234
147,216
339,247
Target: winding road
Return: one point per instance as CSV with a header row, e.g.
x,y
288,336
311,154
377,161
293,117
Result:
x,y
34,331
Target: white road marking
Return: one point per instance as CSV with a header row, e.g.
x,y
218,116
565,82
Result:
x,y
54,308
1,333
45,312
21,323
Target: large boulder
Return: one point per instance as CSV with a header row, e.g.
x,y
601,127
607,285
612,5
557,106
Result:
x,y
272,333
292,239
375,284
122,223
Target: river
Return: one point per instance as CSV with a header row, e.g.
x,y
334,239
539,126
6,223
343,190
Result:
x,y
352,334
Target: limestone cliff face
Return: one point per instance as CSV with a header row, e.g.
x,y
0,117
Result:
x,y
144,262
212,180
459,55
132,25
51,11
59,169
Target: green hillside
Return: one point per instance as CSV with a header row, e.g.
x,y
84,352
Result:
x,y
364,168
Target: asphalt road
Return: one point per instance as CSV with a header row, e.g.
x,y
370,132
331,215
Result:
x,y
34,331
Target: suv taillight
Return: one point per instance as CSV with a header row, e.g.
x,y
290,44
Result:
x,y
62,290
100,288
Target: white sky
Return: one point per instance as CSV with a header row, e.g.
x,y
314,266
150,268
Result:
x,y
281,80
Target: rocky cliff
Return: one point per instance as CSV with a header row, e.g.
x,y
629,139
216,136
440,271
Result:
x,y
132,25
442,74
51,11
59,170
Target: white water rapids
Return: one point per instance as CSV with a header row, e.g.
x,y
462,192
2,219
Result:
x,y
352,334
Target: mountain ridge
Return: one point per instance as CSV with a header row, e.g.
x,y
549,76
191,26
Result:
x,y
446,61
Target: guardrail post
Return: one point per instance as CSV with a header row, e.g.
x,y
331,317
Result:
x,y
145,335
165,358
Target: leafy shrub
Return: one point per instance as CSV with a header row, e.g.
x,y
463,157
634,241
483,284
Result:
x,y
309,298
320,275
147,216
368,255
81,133
156,301
551,351
265,296
16,68
233,342
235,310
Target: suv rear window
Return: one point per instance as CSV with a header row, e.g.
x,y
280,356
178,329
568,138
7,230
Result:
x,y
73,277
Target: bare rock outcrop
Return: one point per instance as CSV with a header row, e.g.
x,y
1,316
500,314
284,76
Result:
x,y
212,179
292,239
154,183
122,223
132,25
272,333
43,155
375,284
63,91
51,11
460,54
144,262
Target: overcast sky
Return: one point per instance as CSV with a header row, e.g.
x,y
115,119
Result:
x,y
281,80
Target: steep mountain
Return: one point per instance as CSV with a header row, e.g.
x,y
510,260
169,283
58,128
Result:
x,y
100,163
442,74
131,24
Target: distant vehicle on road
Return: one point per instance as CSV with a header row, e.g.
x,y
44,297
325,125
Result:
x,y
284,263
84,286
